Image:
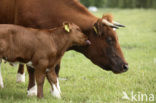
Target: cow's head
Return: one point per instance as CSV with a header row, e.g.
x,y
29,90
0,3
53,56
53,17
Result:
x,y
105,50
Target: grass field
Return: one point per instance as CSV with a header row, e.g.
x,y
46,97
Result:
x,y
87,83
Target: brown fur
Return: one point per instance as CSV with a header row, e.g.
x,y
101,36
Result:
x,y
46,47
51,13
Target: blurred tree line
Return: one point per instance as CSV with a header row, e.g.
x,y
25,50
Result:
x,y
120,3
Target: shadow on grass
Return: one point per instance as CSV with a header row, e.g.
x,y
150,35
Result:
x,y
13,95
132,46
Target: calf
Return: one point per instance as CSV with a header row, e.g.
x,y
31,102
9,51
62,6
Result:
x,y
40,49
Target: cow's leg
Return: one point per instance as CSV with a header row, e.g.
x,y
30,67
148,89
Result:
x,y
32,88
1,79
20,74
53,80
57,69
40,77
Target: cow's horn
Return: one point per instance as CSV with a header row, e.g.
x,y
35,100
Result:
x,y
109,24
118,24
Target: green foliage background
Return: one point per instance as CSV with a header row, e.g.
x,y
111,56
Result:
x,y
120,3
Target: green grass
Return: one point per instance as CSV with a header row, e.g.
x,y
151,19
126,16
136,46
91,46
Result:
x,y
87,83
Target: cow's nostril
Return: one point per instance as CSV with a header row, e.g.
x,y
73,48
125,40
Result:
x,y
125,67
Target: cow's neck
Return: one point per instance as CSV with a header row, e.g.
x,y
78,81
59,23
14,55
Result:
x,y
79,14
72,11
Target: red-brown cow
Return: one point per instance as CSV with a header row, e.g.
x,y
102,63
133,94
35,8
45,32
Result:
x,y
105,50
46,47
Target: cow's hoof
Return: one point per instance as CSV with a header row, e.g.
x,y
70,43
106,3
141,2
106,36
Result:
x,y
1,81
1,85
55,92
32,91
20,78
56,95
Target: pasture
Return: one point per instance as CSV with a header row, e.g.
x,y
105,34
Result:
x,y
87,83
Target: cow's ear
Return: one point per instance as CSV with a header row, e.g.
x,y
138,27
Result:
x,y
66,26
108,17
98,27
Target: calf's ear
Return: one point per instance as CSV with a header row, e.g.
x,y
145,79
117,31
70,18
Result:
x,y
66,26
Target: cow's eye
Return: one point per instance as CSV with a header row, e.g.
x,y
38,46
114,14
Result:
x,y
109,38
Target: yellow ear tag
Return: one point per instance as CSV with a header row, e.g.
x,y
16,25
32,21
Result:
x,y
66,27
95,29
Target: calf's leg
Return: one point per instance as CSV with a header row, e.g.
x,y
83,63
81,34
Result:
x,y
20,74
53,80
1,79
40,77
32,88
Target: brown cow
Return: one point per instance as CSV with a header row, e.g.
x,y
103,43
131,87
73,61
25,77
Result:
x,y
105,49
46,47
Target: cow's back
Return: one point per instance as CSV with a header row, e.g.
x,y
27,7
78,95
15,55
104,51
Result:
x,y
45,13
7,13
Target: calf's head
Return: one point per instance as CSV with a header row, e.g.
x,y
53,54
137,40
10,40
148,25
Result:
x,y
105,50
76,36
